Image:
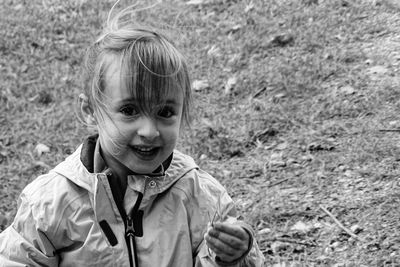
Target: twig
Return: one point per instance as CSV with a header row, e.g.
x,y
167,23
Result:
x,y
216,212
278,182
259,92
389,130
340,224
213,218
293,241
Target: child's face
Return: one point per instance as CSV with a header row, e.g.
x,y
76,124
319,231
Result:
x,y
139,141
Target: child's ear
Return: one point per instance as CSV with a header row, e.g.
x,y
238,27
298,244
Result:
x,y
86,110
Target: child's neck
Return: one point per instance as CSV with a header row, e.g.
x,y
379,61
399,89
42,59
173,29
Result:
x,y
119,170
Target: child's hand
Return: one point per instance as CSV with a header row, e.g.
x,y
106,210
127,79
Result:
x,y
228,241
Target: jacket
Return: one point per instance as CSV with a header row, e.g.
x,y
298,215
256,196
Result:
x,y
68,217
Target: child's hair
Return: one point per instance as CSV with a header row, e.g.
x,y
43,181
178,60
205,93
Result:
x,y
150,64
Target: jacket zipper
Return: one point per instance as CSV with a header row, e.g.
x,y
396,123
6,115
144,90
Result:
x,y
130,235
134,228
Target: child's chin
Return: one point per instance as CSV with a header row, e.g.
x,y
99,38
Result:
x,y
144,169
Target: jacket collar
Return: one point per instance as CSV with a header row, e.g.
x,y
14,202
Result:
x,y
80,169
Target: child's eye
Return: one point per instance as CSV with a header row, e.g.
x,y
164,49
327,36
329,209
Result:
x,y
129,110
166,112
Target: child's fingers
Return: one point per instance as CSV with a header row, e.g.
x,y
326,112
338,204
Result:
x,y
231,229
220,248
229,240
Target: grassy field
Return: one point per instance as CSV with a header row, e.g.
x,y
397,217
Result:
x,y
296,113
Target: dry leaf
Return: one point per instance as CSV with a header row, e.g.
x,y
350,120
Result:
x,y
379,70
282,40
282,146
195,2
200,85
264,231
18,7
227,173
249,7
301,227
203,157
278,246
347,90
33,98
41,148
235,28
356,229
214,51
278,96
230,85
368,61
319,146
276,160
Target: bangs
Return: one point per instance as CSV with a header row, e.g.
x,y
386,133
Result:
x,y
152,70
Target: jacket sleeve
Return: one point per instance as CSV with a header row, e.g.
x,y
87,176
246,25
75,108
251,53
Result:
x,y
24,243
221,204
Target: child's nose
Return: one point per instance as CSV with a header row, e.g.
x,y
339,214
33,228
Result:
x,y
148,129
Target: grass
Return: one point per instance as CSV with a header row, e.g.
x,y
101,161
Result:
x,y
307,123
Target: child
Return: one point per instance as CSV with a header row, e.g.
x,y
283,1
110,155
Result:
x,y
126,197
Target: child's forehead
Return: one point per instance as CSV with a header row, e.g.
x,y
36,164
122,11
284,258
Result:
x,y
117,91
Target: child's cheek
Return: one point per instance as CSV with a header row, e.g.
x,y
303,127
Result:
x,y
170,135
119,132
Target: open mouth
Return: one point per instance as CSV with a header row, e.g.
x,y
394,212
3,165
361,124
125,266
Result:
x,y
145,152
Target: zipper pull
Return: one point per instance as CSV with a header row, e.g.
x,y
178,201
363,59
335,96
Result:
x,y
134,219
130,230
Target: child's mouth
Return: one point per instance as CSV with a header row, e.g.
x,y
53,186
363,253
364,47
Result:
x,y
144,152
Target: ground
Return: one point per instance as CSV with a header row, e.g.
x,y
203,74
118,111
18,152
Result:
x,y
296,113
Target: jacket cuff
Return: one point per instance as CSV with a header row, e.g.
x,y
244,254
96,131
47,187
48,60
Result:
x,y
251,239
